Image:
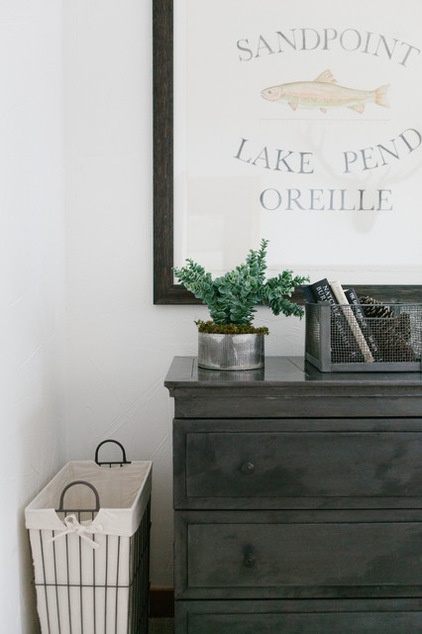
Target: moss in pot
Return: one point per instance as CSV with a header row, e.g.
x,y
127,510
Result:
x,y
229,340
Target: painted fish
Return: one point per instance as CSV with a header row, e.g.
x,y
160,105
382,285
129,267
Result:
x,y
323,93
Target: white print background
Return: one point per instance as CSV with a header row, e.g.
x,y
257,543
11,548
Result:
x,y
218,215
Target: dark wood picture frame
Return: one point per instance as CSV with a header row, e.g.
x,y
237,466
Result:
x,y
165,290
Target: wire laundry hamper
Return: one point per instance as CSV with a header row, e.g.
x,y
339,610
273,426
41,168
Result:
x,y
89,533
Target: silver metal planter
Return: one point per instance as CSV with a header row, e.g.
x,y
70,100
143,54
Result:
x,y
230,352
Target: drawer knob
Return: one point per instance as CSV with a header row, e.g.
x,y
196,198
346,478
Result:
x,y
249,560
247,468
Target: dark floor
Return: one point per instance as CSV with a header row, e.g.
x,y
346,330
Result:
x,y
161,626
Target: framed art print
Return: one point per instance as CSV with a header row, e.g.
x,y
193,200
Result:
x,y
299,122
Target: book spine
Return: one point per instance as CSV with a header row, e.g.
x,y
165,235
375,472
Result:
x,y
343,343
347,310
353,299
308,293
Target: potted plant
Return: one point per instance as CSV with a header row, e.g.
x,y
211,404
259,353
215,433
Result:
x,y
229,341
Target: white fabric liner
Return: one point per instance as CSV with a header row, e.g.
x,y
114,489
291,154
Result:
x,y
123,492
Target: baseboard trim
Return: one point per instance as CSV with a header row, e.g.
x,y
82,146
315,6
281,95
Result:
x,y
161,603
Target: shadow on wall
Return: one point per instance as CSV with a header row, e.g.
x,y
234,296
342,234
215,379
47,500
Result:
x,y
30,622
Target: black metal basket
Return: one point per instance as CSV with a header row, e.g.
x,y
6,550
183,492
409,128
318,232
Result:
x,y
342,338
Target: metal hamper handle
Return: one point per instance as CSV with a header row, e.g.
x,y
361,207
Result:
x,y
61,508
120,462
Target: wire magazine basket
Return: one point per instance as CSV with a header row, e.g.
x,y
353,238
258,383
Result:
x,y
342,338
89,532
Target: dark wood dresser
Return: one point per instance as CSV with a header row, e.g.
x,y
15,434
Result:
x,y
298,500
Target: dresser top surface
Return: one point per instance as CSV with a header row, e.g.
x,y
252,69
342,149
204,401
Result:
x,y
279,371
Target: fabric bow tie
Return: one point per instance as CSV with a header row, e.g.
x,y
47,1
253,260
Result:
x,y
82,530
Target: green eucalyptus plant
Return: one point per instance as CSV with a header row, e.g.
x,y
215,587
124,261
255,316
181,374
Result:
x,y
232,298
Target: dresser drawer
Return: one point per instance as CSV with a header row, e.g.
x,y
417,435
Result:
x,y
274,554
289,617
304,469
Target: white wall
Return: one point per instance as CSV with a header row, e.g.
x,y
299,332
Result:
x,y
31,282
84,350
119,344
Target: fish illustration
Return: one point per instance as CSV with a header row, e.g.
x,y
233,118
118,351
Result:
x,y
324,93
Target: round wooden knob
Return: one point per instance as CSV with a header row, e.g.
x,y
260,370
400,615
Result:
x,y
249,560
247,468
